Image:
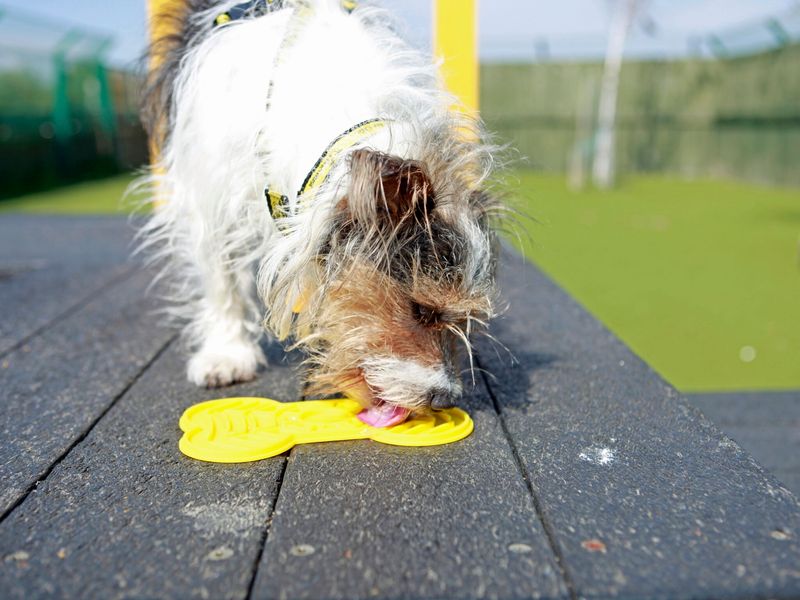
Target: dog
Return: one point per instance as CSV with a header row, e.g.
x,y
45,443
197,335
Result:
x,y
314,181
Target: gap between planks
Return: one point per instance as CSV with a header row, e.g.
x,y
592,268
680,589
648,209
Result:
x,y
82,436
71,310
555,547
265,534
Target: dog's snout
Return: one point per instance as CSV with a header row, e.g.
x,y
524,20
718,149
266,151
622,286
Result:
x,y
442,398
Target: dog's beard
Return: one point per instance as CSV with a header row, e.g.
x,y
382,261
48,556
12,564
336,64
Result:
x,y
391,389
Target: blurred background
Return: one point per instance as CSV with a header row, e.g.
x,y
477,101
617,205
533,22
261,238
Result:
x,y
68,96
656,145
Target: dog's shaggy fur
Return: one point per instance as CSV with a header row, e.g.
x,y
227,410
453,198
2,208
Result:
x,y
392,259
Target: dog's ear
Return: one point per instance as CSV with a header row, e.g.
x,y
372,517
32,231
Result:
x,y
387,190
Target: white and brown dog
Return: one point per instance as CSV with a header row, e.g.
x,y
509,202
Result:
x,y
311,164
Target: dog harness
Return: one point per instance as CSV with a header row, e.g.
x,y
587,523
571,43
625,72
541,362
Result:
x,y
255,8
259,8
278,202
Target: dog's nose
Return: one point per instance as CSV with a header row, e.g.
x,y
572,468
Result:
x,y
441,398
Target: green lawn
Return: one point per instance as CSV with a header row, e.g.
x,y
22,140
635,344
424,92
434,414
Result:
x,y
702,279
103,196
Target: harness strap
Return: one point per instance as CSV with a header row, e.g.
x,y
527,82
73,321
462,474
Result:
x,y
254,8
324,165
278,203
259,8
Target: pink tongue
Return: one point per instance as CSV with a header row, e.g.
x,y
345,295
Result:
x,y
383,415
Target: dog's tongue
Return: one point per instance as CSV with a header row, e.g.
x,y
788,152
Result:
x,y
383,415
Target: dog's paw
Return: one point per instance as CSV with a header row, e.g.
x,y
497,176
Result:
x,y
225,365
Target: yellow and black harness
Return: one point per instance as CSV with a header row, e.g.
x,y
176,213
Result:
x,y
279,203
259,8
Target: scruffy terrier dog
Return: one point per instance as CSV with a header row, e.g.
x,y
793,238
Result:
x,y
313,179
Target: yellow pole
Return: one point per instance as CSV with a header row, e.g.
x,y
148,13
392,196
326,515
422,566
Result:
x,y
455,32
160,25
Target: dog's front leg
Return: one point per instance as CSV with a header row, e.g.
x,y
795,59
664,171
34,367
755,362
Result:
x,y
227,350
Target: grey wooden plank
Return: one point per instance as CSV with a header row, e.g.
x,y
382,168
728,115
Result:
x,y
644,497
752,409
89,241
125,515
362,520
790,479
53,388
49,265
34,298
775,447
765,423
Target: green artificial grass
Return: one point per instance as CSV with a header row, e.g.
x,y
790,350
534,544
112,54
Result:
x,y
103,196
701,279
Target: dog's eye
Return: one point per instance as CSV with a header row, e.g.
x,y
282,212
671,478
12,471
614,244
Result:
x,y
425,315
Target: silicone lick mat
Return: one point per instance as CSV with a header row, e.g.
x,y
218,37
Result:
x,y
234,430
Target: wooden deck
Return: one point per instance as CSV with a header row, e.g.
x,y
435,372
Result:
x,y
586,476
766,424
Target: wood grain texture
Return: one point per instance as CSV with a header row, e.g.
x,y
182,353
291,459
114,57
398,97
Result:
x,y
57,385
126,515
51,266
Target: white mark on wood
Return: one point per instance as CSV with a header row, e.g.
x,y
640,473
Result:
x,y
598,456
18,556
520,548
302,550
221,553
780,534
226,518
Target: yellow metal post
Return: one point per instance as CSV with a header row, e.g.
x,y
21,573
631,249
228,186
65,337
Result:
x,y
160,25
455,32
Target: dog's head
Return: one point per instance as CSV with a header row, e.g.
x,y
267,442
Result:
x,y
404,278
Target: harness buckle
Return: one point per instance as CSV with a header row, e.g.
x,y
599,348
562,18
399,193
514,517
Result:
x,y
278,204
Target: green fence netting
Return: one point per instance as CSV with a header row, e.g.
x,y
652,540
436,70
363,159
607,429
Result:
x,y
65,115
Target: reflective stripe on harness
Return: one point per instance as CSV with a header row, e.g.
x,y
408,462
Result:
x,y
278,203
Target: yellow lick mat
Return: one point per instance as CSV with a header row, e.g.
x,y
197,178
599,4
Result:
x,y
234,430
